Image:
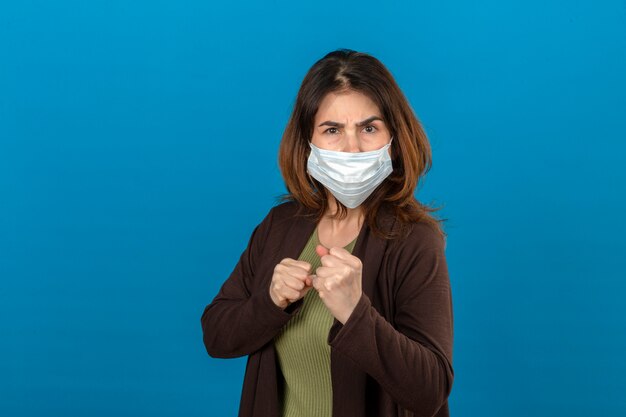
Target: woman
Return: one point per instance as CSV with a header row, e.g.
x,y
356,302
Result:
x,y
341,299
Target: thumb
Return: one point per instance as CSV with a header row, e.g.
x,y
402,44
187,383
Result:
x,y
321,250
305,290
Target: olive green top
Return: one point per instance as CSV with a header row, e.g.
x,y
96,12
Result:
x,y
303,351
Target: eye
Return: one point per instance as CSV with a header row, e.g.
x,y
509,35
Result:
x,y
334,129
370,127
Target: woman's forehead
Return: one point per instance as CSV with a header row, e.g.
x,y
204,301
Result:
x,y
350,107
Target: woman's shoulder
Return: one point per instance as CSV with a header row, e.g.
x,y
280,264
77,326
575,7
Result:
x,y
421,236
289,210
280,216
286,209
422,249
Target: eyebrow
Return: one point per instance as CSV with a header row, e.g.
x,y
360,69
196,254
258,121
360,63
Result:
x,y
359,124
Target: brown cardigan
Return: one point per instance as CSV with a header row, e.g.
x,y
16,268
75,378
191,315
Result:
x,y
392,357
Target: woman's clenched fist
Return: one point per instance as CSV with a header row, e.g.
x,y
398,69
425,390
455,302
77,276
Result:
x,y
290,282
339,281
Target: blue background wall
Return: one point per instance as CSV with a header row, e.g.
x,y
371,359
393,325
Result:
x,y
138,145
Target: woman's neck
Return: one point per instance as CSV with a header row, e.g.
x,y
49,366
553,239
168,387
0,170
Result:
x,y
354,218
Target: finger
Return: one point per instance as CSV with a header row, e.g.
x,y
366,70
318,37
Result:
x,y
321,250
288,269
321,272
294,283
305,291
290,294
297,272
340,253
344,257
306,266
309,280
336,274
318,282
332,261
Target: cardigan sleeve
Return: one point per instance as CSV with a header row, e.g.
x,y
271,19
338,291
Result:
x,y
239,321
412,361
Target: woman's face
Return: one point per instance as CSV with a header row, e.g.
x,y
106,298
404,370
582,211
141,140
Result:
x,y
349,122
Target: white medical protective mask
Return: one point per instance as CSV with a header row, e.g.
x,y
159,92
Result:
x,y
350,176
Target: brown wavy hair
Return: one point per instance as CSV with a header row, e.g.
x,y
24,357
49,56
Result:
x,y
342,70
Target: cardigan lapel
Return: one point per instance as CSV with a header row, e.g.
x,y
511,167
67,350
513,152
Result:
x,y
369,248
